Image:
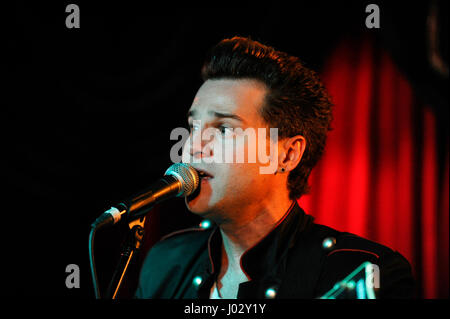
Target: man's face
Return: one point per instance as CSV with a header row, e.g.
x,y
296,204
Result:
x,y
219,108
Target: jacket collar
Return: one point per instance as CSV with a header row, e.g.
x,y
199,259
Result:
x,y
266,257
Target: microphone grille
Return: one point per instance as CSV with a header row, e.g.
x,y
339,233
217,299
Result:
x,y
187,175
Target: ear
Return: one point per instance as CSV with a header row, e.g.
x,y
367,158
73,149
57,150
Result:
x,y
291,152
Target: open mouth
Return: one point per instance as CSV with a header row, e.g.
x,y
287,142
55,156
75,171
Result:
x,y
204,175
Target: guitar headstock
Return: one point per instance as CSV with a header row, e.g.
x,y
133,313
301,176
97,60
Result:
x,y
362,283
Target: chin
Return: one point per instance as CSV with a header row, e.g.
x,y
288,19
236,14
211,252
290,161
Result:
x,y
198,206
199,202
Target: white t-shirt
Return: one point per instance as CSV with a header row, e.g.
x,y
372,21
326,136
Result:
x,y
215,294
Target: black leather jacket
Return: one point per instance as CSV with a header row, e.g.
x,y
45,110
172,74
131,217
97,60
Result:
x,y
291,261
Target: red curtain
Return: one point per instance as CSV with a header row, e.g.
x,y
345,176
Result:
x,y
385,173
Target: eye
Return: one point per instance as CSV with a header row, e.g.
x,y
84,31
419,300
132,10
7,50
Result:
x,y
193,127
225,130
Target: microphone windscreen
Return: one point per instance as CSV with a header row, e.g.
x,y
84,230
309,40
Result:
x,y
187,175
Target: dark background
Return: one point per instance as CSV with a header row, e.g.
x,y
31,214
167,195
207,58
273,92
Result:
x,y
87,113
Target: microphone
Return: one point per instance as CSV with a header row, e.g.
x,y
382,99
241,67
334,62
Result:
x,y
179,180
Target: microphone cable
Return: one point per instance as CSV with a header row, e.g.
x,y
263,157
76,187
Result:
x,y
92,262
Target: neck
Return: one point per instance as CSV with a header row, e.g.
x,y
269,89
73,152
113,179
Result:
x,y
249,227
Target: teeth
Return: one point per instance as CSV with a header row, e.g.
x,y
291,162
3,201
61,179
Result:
x,y
202,174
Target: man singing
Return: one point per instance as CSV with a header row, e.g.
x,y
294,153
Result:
x,y
261,244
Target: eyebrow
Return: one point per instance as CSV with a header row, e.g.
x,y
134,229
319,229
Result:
x,y
218,115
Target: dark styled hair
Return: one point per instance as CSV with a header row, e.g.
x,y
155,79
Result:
x,y
297,103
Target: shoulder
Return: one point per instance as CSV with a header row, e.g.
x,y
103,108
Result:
x,y
337,243
348,248
185,241
167,262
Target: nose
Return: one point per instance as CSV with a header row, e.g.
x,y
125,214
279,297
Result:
x,y
199,147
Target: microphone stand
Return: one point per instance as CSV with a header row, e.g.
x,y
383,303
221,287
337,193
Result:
x,y
129,250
